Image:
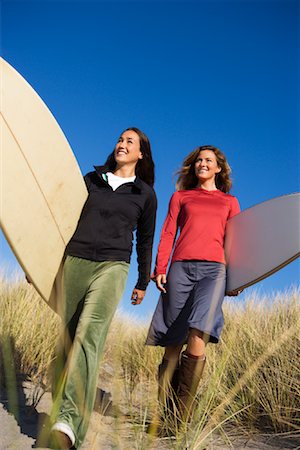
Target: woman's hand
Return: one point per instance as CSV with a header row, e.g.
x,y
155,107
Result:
x,y
137,296
234,293
160,281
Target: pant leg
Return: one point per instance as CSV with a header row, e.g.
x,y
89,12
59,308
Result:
x,y
76,280
75,402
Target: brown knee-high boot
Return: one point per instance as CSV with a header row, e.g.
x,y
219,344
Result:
x,y
190,373
168,381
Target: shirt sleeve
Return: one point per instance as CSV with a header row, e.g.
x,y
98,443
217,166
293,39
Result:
x,y
168,236
87,180
235,208
144,241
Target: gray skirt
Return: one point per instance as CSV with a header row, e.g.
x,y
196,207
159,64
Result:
x,y
194,297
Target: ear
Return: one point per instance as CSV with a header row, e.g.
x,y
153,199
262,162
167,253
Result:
x,y
218,169
141,155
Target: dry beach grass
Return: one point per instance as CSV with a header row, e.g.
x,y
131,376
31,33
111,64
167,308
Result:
x,y
251,383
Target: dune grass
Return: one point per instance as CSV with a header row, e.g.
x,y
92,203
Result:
x,y
251,381
28,327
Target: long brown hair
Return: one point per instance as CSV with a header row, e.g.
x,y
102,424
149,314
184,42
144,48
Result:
x,y
145,167
187,178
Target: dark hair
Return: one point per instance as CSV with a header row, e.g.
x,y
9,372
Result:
x,y
145,167
187,178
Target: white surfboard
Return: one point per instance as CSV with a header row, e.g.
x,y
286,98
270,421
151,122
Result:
x,y
261,240
42,189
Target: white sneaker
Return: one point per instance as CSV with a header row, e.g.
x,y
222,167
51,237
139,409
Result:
x,y
65,429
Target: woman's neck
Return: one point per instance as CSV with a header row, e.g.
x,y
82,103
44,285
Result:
x,y
208,185
126,171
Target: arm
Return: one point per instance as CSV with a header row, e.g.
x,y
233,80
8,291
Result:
x,y
144,241
168,236
167,239
87,180
235,209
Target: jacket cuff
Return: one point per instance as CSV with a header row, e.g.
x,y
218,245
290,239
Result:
x,y
141,285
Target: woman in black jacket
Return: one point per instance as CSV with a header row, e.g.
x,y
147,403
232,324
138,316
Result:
x,y
120,200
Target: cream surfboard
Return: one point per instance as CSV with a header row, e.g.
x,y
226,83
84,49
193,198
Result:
x,y
42,189
261,240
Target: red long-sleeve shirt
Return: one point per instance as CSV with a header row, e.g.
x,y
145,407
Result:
x,y
201,216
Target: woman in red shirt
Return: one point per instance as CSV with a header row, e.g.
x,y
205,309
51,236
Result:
x,y
189,310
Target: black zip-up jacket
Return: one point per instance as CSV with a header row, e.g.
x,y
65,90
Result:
x,y
108,219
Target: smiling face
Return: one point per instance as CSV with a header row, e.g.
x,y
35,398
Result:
x,y
127,150
206,166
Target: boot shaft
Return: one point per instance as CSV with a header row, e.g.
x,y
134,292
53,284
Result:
x,y
190,373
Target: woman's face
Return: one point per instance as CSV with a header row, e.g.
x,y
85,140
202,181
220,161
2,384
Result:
x,y
127,150
206,166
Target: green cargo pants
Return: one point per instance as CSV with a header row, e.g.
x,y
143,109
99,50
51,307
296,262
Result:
x,y
92,292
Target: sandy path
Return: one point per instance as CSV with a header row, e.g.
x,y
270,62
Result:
x,y
105,432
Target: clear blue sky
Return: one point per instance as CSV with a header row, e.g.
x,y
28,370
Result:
x,y
223,73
